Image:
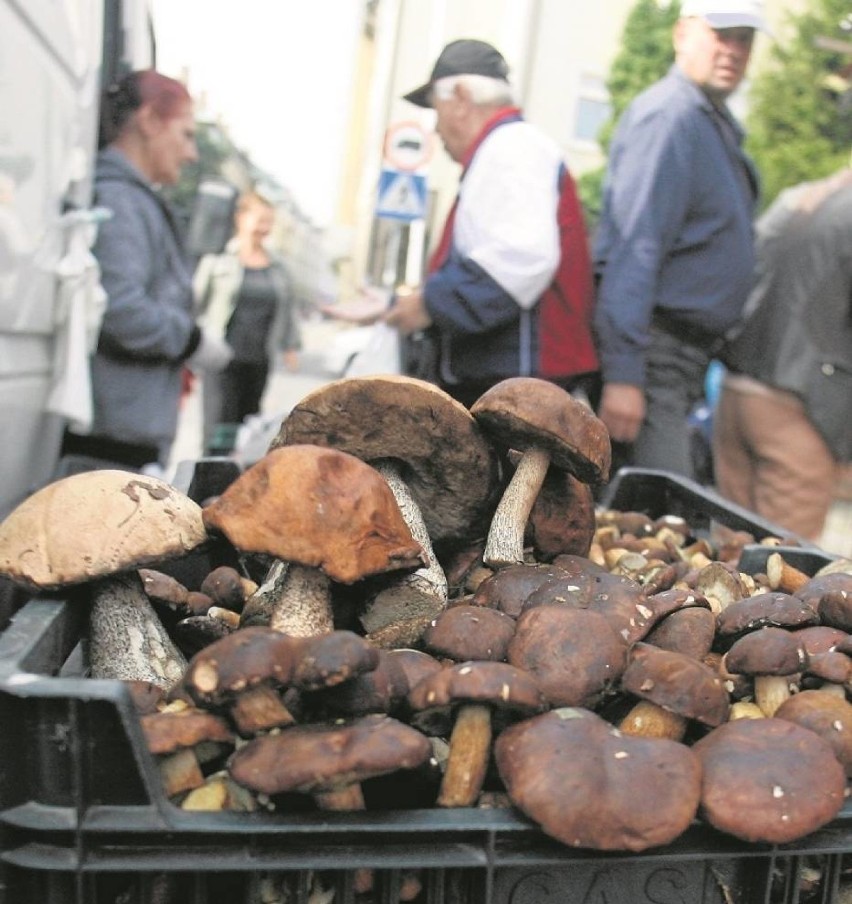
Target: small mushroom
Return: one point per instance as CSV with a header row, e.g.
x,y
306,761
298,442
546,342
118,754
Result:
x,y
672,688
474,689
470,632
827,715
548,425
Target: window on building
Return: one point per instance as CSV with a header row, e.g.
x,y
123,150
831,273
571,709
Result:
x,y
593,107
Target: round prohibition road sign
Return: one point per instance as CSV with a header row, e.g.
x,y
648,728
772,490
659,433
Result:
x,y
408,146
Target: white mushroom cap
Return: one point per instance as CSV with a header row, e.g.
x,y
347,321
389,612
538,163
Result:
x,y
96,524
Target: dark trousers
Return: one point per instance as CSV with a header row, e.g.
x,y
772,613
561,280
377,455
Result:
x,y
232,395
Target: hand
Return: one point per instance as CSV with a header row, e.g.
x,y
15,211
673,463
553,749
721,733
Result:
x,y
408,314
367,308
213,354
622,409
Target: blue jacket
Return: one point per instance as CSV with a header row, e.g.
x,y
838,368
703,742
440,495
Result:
x,y
676,227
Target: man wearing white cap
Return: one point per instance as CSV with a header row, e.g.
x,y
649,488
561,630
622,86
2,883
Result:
x,y
674,253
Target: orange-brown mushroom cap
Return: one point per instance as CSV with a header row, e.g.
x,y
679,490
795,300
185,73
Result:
x,y
318,507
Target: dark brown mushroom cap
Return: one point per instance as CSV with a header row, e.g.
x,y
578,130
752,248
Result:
x,y
825,714
562,520
470,632
96,524
242,660
767,651
508,587
822,638
379,690
831,596
573,564
779,610
415,664
676,682
497,684
589,786
224,585
318,507
330,659
832,666
575,590
325,757
447,464
526,412
167,732
632,613
689,631
768,780
575,655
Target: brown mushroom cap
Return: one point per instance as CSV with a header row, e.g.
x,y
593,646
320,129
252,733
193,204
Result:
x,y
589,786
821,639
496,684
470,632
779,610
676,682
96,524
825,714
166,732
507,588
244,659
574,654
526,412
323,757
562,520
768,780
768,651
318,507
831,596
330,659
448,466
689,631
379,690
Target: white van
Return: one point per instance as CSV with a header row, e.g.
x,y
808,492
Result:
x,y
55,57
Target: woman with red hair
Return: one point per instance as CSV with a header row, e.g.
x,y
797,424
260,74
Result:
x,y
149,331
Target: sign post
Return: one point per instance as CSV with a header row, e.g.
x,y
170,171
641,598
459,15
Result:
x,y
402,189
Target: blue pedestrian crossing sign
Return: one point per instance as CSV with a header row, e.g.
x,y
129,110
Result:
x,y
402,195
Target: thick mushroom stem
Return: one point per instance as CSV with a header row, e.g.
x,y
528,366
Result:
x,y
422,592
505,544
647,720
126,639
467,761
344,798
770,691
300,598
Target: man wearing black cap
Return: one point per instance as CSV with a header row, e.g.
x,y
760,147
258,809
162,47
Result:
x,y
508,292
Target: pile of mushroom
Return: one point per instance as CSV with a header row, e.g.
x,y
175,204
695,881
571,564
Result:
x,y
422,607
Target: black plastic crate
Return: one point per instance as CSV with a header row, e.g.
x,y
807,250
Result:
x,y
84,819
658,493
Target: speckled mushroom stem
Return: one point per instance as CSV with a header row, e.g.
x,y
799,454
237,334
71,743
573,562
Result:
x,y
302,600
647,720
467,760
419,593
505,543
126,639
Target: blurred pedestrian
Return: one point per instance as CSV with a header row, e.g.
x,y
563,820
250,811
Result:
x,y
244,297
508,291
674,252
784,419
148,331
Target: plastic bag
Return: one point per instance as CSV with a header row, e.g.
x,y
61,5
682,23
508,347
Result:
x,y
380,355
